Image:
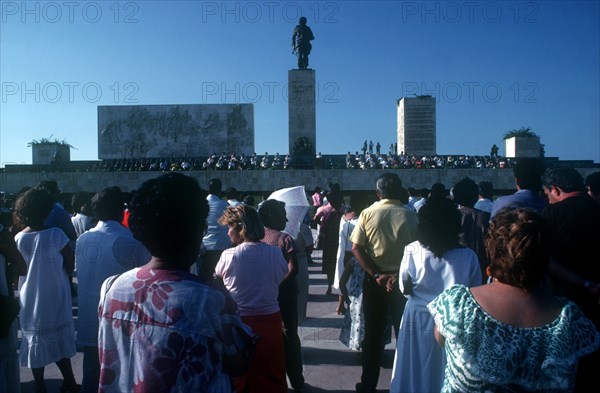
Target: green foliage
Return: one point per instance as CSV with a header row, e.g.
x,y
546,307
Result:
x,y
523,132
50,141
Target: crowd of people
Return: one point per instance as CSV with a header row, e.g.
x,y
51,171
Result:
x,y
214,162
414,161
185,289
469,263
232,161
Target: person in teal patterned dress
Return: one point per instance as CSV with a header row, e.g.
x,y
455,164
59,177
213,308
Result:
x,y
510,335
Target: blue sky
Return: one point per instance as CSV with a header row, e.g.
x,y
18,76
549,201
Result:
x,y
492,65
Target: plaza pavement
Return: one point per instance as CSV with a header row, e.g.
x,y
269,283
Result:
x,y
328,365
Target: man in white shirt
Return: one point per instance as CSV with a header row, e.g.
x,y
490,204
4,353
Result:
x,y
413,197
106,250
486,193
81,206
232,196
215,239
423,193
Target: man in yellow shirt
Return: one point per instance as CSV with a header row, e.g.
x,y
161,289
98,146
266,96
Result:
x,y
379,238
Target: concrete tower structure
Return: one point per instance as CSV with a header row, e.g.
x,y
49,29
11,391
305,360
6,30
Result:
x,y
302,122
416,125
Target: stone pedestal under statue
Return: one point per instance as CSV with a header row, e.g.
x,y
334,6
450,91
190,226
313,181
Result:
x,y
302,123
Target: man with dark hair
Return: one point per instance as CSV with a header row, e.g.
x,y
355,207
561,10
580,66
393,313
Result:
x,y
58,217
232,195
105,250
528,177
215,238
248,200
379,238
573,218
301,38
423,194
81,206
486,193
438,190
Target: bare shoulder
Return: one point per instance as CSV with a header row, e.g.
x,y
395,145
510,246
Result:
x,y
534,310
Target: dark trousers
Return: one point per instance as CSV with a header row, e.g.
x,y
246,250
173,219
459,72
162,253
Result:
x,y
377,303
587,368
91,370
330,260
208,262
291,342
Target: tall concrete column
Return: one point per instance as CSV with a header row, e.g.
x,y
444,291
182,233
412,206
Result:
x,y
302,122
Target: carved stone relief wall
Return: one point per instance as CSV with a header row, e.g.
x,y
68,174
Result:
x,y
193,130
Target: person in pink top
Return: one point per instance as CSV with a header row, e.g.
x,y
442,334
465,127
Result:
x,y
252,271
317,197
317,202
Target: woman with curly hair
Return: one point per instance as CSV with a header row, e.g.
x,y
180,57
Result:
x,y
511,335
46,316
432,263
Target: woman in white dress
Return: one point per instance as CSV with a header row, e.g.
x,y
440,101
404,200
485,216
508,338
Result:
x,y
430,265
46,317
10,260
344,258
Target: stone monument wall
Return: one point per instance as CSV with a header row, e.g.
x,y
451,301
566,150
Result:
x,y
268,180
194,130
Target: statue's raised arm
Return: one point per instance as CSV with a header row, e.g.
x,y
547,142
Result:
x,y
301,46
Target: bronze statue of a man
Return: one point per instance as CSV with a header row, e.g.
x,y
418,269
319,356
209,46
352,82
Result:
x,y
301,45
